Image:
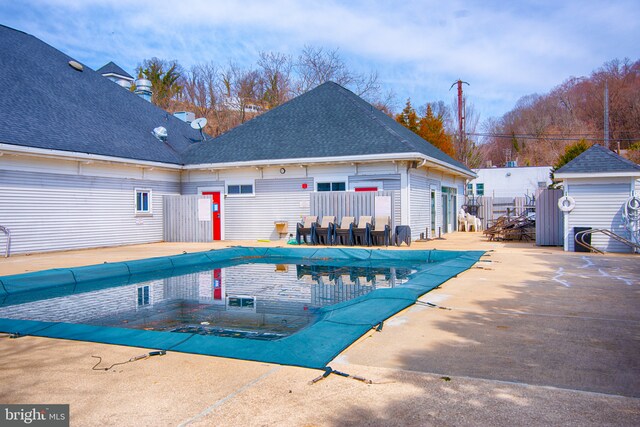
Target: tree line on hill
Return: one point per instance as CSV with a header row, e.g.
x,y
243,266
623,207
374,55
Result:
x,y
536,132
228,95
541,128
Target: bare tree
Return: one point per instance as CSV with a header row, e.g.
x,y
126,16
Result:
x,y
200,88
466,145
247,90
275,72
386,103
202,94
316,66
540,127
440,110
228,96
240,93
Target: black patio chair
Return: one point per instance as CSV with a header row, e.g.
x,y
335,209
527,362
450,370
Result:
x,y
381,229
362,232
344,233
324,232
307,229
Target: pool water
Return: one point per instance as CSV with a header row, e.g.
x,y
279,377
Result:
x,y
257,300
318,300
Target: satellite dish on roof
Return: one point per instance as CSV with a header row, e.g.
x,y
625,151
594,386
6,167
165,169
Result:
x,y
199,124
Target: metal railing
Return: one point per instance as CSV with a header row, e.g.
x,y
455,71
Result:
x,y
6,231
579,239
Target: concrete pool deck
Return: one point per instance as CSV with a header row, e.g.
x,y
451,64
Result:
x,y
533,336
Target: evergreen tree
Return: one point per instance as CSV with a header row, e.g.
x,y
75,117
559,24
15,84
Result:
x,y
571,152
164,77
408,117
431,128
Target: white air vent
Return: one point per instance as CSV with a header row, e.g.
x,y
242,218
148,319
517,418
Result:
x,y
160,133
76,65
185,116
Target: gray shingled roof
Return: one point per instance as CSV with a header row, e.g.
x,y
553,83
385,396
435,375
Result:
x,y
47,104
113,68
324,122
598,159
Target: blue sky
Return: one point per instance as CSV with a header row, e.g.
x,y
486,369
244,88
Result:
x,y
504,49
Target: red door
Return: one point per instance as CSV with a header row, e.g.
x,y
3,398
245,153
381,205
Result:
x,y
216,214
217,284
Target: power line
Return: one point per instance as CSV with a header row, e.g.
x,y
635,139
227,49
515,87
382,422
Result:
x,y
511,136
573,134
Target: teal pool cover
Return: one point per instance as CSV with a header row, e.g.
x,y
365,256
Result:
x,y
338,325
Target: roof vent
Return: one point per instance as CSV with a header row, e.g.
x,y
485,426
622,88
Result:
x,y
185,116
143,89
124,83
160,133
76,65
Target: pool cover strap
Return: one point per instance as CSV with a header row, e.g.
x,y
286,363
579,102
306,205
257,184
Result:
x,y
338,326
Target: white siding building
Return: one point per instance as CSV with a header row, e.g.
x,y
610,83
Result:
x,y
91,168
599,183
510,182
55,204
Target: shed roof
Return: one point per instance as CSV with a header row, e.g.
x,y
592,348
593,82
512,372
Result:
x,y
328,121
113,68
47,104
598,160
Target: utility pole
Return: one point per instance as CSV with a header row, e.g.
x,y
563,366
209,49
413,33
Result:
x,y
606,114
461,117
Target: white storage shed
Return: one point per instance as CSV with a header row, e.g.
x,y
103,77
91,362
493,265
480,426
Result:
x,y
599,191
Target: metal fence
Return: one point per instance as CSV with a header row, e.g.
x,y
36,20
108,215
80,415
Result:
x,y
183,222
549,220
489,209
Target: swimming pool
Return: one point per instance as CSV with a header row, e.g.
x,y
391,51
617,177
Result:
x,y
296,306
249,300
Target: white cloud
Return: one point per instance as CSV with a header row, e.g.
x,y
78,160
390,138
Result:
x,y
504,49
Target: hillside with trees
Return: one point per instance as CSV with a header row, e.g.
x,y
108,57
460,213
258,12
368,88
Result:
x,y
540,127
535,132
229,95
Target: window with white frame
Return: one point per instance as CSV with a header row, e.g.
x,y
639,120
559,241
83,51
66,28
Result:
x,y
480,189
331,186
470,188
247,302
240,189
143,296
143,201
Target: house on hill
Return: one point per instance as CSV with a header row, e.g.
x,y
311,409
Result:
x,y
598,184
84,163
